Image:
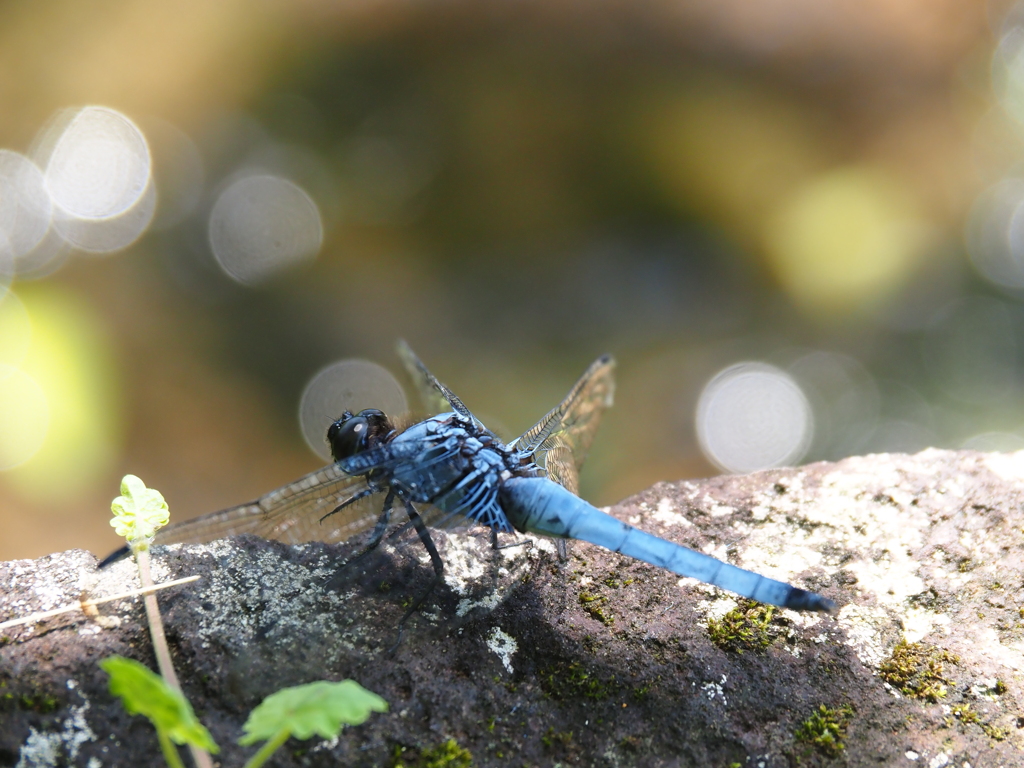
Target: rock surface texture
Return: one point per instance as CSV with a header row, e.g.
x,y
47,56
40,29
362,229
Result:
x,y
598,661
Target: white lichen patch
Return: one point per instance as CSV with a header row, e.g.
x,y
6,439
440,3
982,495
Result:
x,y
780,558
986,689
261,595
714,691
487,602
463,565
470,561
719,551
690,583
716,609
805,619
503,645
761,510
864,628
158,570
899,528
327,745
542,544
988,646
40,750
846,516
50,596
689,489
59,747
667,514
716,509
918,623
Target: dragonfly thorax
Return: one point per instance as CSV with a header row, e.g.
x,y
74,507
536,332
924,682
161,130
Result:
x,y
455,464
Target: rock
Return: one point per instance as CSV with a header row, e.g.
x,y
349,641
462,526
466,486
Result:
x,y
600,661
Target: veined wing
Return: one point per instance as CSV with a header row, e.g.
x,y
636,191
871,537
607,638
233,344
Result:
x,y
560,441
293,513
434,395
290,514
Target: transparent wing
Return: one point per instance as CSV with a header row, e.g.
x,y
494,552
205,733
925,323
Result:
x,y
290,514
293,513
434,395
560,441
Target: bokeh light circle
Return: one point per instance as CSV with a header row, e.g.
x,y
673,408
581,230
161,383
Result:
x,y
111,234
50,255
7,267
753,416
71,361
995,234
988,442
845,238
262,225
99,166
347,385
24,417
25,208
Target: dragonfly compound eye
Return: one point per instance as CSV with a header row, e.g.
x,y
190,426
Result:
x,y
350,434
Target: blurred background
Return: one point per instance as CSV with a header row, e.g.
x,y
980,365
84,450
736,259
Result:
x,y
798,226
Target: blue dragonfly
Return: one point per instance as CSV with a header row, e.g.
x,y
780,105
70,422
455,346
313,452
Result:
x,y
450,470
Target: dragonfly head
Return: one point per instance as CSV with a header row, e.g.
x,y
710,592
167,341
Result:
x,y
352,434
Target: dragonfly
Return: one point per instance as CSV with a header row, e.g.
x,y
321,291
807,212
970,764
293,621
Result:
x,y
450,470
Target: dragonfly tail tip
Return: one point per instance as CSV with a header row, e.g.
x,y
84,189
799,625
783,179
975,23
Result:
x,y
113,557
828,606
802,600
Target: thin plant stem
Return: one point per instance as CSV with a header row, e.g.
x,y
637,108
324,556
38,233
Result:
x,y
85,605
269,748
170,751
163,653
156,623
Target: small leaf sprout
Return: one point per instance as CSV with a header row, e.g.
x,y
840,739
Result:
x,y
143,692
138,512
322,708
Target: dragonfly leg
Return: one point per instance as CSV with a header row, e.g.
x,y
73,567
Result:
x,y
378,531
375,537
435,560
357,497
496,546
563,549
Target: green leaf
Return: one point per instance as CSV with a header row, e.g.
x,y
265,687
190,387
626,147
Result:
x,y
321,708
144,692
139,511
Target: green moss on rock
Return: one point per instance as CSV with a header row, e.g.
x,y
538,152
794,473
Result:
x,y
826,729
916,670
